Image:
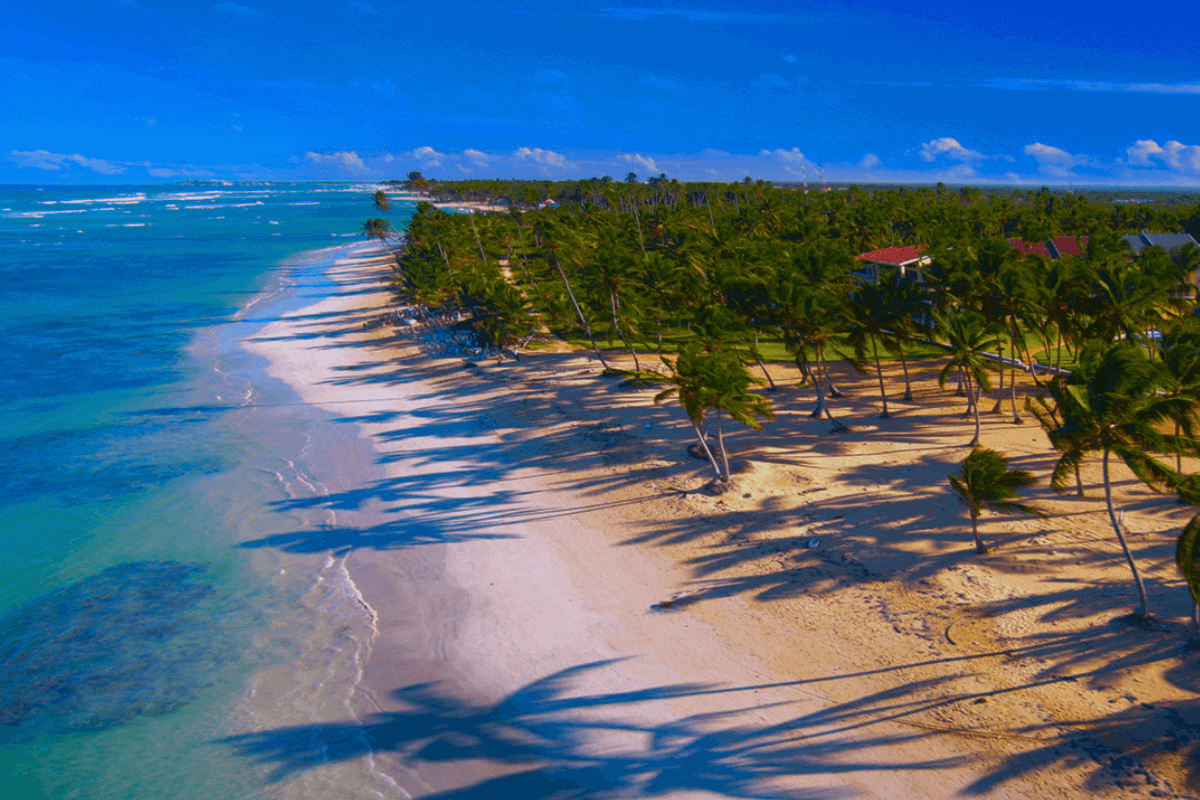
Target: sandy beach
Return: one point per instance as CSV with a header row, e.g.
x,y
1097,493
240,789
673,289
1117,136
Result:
x,y
589,622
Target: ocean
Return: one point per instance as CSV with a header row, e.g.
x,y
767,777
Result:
x,y
142,451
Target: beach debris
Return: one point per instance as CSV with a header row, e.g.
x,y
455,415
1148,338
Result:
x,y
813,543
677,599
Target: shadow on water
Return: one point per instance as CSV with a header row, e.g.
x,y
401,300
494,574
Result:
x,y
129,641
551,739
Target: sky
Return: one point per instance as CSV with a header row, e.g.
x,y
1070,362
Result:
x,y
157,91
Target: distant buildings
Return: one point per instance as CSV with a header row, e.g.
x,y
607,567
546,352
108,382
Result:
x,y
1167,241
913,257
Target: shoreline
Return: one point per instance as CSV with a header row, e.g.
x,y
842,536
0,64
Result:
x,y
553,551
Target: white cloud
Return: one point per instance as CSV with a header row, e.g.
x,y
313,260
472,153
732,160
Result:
x,y
161,172
44,159
1073,85
640,161
427,156
792,161
476,157
869,161
790,59
1177,156
658,83
237,10
1055,161
547,158
950,148
343,160
691,15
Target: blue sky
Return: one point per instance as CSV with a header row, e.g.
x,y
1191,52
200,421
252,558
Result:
x,y
134,91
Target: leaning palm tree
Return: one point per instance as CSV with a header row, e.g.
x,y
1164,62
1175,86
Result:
x,y
968,335
1112,405
717,381
382,201
985,481
380,229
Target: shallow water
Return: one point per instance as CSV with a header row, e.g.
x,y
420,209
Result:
x,y
139,446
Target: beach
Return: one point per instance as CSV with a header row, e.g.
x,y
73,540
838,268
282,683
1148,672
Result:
x,y
557,607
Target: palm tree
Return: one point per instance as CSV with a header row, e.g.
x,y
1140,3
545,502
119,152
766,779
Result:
x,y
718,381
1112,405
382,203
985,481
1187,558
380,229
968,335
1180,355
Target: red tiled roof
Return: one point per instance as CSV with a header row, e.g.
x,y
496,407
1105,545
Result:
x,y
1026,248
895,256
1070,246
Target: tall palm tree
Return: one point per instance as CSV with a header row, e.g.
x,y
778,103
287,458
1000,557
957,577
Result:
x,y
382,202
985,481
968,335
1112,405
1180,355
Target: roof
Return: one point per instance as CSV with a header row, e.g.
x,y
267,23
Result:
x,y
1167,241
1053,248
1027,248
894,256
1068,246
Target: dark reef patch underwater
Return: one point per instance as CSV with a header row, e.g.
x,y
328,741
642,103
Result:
x,y
131,640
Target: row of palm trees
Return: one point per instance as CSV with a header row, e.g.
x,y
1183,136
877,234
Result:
x,y
723,273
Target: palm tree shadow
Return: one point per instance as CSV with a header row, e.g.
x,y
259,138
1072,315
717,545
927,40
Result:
x,y
548,741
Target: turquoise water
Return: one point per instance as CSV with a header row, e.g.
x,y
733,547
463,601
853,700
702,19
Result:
x,y
138,446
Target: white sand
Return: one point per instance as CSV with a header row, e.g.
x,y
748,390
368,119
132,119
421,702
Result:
x,y
521,489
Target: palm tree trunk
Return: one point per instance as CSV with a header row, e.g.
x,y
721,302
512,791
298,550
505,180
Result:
x,y
477,239
638,219
763,366
1144,600
879,373
979,547
973,407
1013,374
721,445
612,299
904,366
833,390
705,448
1196,620
582,319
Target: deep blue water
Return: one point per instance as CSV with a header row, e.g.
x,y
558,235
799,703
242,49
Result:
x,y
138,446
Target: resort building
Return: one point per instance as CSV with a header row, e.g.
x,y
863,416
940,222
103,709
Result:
x,y
903,258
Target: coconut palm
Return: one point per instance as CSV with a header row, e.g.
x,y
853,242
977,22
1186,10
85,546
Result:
x,y
1112,405
380,229
717,381
1187,558
968,335
382,202
985,481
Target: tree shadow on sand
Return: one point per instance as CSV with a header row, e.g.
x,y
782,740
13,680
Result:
x,y
551,741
